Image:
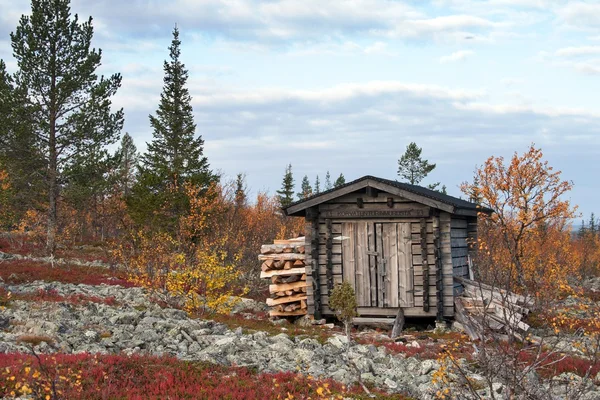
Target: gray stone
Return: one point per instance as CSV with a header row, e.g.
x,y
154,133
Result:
x,y
338,341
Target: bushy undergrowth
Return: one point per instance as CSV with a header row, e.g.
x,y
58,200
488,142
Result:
x,y
85,376
23,271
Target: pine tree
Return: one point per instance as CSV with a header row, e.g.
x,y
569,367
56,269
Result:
x,y
411,167
127,158
240,191
19,149
88,184
339,181
328,184
317,185
175,155
305,189
71,107
286,193
594,228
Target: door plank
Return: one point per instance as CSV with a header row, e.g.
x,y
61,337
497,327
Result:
x,y
405,266
363,275
380,264
348,259
371,251
392,267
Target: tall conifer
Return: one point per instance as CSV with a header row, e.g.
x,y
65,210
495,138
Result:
x,y
70,107
175,155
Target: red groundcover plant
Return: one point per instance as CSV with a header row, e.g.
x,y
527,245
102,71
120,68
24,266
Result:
x,y
85,376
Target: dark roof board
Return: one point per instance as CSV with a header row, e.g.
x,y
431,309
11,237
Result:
x,y
418,190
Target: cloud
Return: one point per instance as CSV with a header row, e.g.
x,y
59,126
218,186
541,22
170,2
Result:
x,y
580,15
456,56
577,51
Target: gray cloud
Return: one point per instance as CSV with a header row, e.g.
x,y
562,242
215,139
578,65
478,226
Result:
x,y
362,129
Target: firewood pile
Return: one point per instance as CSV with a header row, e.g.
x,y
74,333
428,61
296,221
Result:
x,y
485,309
283,263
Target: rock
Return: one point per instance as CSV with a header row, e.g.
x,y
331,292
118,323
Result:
x,y
497,387
304,321
281,321
92,335
414,344
427,366
390,383
338,341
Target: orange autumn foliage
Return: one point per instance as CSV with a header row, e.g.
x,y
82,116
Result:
x,y
525,244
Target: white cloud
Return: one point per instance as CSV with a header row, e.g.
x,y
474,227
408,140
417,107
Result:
x,y
577,51
580,15
456,56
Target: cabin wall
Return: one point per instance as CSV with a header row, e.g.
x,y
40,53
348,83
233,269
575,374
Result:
x,y
446,239
464,240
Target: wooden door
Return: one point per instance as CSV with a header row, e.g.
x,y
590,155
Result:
x,y
377,261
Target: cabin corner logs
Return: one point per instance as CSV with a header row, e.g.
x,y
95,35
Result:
x,y
395,250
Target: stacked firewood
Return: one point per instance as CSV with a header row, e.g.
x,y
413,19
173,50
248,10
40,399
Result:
x,y
483,309
283,263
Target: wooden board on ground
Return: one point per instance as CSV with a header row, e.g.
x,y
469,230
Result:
x,y
274,313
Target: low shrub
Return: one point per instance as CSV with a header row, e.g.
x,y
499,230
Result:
x,y
85,376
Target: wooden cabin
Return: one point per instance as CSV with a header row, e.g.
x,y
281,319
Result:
x,y
399,245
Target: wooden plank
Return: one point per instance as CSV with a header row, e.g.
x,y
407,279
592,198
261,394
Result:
x,y
363,278
458,242
425,264
314,264
282,272
297,240
379,286
458,233
416,248
336,269
372,253
336,228
419,259
329,265
416,228
381,198
281,248
458,223
335,258
372,320
412,196
390,312
390,250
439,284
288,299
348,257
336,248
287,286
405,267
295,313
282,256
334,210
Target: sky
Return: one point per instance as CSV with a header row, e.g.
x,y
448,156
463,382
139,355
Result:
x,y
345,86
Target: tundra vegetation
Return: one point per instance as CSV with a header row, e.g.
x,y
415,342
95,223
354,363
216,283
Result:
x,y
87,230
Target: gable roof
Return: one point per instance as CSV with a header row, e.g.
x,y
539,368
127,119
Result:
x,y
419,194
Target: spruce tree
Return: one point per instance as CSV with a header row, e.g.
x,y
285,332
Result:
x,y
339,181
328,184
305,189
317,185
127,158
286,194
70,105
412,168
240,191
176,155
